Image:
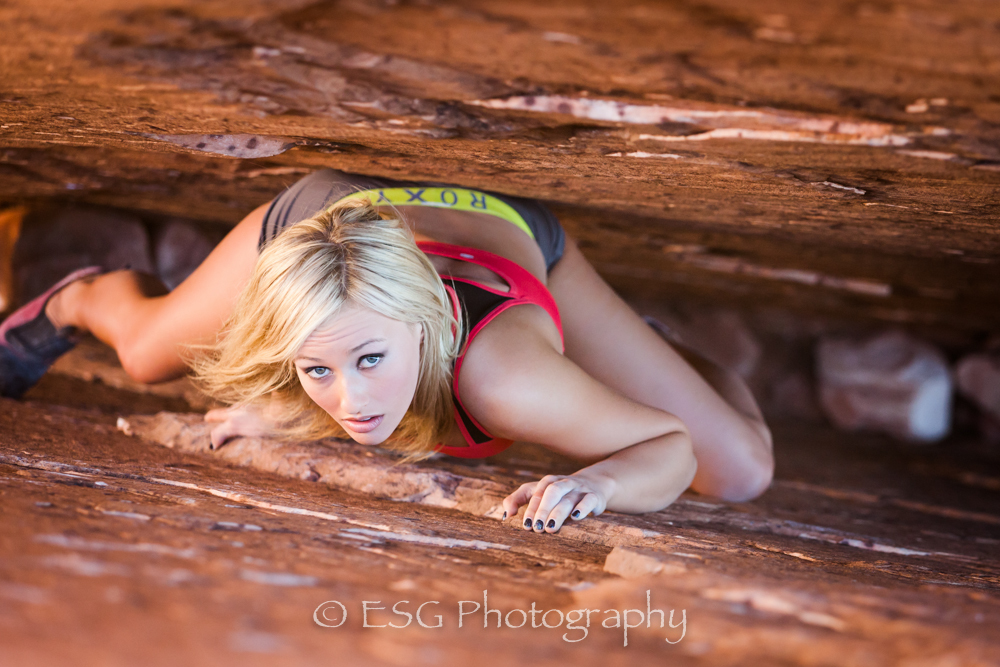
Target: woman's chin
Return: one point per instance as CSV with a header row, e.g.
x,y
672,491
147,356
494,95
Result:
x,y
372,438
368,439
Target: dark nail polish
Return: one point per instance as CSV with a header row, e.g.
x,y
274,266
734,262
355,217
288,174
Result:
x,y
576,514
538,524
552,523
504,517
527,522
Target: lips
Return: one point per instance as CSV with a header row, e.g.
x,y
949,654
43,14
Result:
x,y
363,425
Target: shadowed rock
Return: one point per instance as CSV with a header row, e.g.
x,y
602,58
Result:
x,y
180,247
978,379
57,243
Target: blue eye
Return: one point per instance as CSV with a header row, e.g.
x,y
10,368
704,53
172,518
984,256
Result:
x,y
369,360
318,372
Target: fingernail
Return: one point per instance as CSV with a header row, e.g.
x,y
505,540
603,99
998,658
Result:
x,y
576,514
538,524
552,523
504,517
527,522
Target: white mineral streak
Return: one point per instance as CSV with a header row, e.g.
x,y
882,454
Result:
x,y
263,504
726,264
725,123
672,156
86,567
883,548
610,110
80,544
838,186
786,135
562,37
277,578
428,539
127,515
767,601
929,155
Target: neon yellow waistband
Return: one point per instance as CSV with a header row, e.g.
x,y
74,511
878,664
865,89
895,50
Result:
x,y
458,199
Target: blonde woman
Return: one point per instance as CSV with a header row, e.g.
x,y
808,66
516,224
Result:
x,y
425,317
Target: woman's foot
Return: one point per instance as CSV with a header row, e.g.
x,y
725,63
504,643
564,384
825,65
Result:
x,y
30,342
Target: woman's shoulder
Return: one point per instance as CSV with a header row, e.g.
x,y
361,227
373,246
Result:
x,y
503,354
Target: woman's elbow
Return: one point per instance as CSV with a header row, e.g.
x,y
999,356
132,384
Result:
x,y
684,470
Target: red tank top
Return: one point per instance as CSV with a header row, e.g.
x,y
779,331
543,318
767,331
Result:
x,y
524,288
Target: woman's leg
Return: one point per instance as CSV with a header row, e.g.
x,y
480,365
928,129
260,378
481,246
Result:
x,y
606,338
146,325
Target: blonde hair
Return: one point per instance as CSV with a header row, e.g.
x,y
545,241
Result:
x,y
349,254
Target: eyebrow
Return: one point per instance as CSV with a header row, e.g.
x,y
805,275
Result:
x,y
367,342
353,349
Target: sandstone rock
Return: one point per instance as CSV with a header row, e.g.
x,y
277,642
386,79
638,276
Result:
x,y
891,382
94,361
342,464
634,562
96,523
73,238
179,248
678,185
231,145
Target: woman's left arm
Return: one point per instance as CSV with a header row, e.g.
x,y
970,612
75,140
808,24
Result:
x,y
520,387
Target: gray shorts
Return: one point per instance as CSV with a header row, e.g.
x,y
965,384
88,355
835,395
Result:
x,y
315,192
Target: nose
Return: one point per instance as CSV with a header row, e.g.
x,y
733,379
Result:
x,y
353,394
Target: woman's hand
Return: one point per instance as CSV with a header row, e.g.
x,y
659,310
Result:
x,y
251,420
555,497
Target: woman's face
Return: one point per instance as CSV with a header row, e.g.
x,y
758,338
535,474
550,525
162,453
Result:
x,y
362,368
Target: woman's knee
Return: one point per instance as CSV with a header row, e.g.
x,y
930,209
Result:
x,y
148,360
739,467
751,476
755,480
